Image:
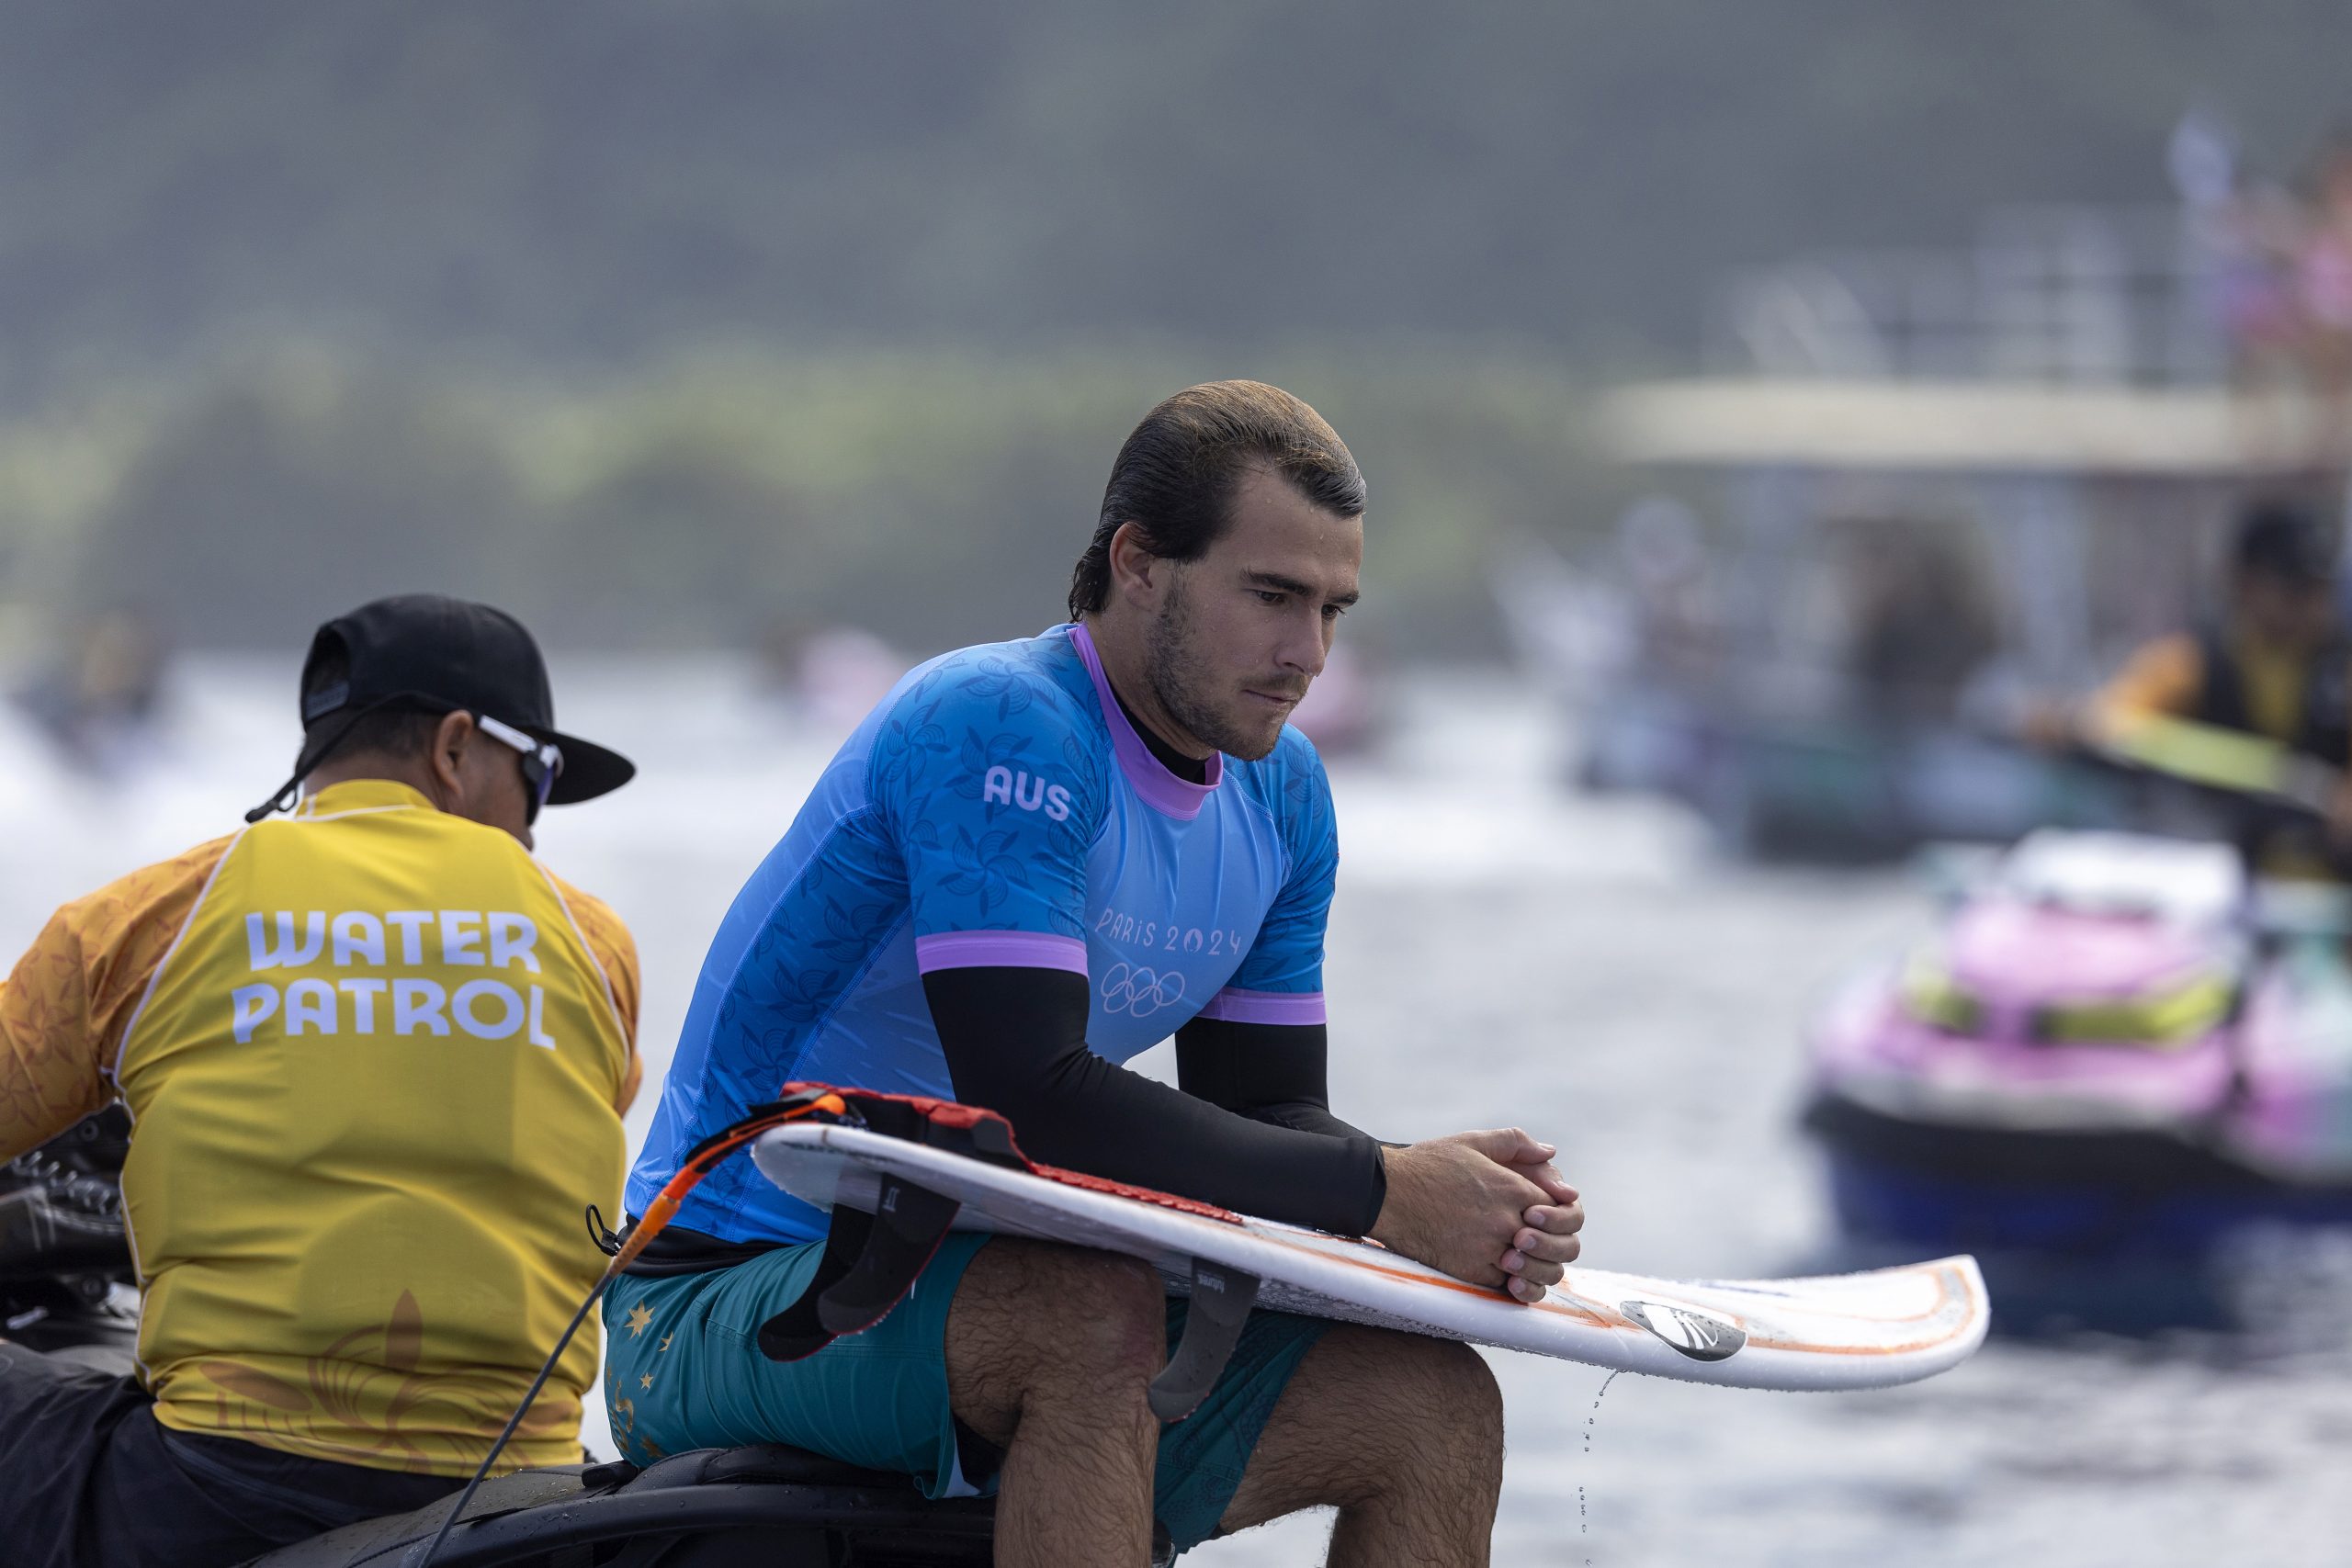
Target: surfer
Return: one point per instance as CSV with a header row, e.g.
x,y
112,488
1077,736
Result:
x,y
374,1052
1033,861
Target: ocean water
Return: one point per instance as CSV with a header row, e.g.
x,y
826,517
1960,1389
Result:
x,y
1502,953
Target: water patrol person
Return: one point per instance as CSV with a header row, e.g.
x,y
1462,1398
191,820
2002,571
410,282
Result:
x,y
2276,666
1033,861
2279,666
376,1056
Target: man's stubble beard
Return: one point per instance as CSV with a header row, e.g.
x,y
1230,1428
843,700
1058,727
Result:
x,y
1180,680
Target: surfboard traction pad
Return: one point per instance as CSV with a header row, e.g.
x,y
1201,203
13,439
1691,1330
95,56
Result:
x,y
1846,1331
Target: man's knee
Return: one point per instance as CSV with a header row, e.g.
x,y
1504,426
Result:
x,y
1435,1397
1378,1419
1032,1319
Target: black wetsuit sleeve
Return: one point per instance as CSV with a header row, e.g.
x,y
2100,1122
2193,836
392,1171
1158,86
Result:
x,y
1268,1072
1016,1042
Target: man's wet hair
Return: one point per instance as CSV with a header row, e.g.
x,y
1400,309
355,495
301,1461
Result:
x,y
395,731
2283,542
1174,478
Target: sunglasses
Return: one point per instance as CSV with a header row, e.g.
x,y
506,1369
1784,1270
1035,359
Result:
x,y
542,761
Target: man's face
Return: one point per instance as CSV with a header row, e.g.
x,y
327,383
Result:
x,y
2293,617
1241,631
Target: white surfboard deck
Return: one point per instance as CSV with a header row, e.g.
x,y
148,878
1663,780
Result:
x,y
1846,1331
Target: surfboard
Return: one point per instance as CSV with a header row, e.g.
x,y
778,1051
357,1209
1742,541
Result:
x,y
2228,759
1848,1331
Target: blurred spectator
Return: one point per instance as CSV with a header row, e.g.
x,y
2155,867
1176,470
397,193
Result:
x,y
1920,625
2278,281
2324,298
2254,235
1662,553
101,701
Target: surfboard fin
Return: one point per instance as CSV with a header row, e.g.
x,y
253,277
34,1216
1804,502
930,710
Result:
x,y
871,1261
1221,1301
908,1224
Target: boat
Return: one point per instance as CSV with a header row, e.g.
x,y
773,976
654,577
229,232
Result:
x,y
1913,501
2116,1053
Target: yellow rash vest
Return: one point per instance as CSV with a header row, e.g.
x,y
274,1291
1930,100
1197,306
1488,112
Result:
x,y
376,1056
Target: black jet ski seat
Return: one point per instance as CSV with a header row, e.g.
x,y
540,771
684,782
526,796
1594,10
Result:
x,y
767,1505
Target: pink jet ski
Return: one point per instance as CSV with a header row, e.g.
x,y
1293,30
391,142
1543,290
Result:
x,y
2115,1046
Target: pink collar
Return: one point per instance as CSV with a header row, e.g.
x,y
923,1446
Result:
x,y
1161,790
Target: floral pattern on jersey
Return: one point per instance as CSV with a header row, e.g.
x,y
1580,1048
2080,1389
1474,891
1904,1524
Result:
x,y
1000,690
826,929
1011,686
847,931
913,746
982,871
63,1010
614,951
1007,750
977,858
367,1398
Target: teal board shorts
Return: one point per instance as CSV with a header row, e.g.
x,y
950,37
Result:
x,y
683,1369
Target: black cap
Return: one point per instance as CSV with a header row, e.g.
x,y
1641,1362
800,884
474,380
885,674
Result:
x,y
2286,543
429,653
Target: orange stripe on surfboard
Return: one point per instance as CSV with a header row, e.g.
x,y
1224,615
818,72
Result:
x,y
1609,1318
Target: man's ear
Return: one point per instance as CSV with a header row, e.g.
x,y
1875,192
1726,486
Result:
x,y
1137,575
451,738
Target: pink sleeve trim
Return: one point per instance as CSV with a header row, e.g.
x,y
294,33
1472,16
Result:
x,y
1008,950
1265,1007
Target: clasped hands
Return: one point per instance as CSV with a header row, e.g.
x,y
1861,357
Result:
x,y
1488,1207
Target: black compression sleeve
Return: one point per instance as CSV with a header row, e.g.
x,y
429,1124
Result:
x,y
1016,1042
1268,1072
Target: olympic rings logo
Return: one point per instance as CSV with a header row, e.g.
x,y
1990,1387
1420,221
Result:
x,y
1140,991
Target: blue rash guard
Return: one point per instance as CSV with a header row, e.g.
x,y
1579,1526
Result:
x,y
998,812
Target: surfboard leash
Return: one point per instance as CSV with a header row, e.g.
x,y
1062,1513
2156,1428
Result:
x,y
801,1103
871,1260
